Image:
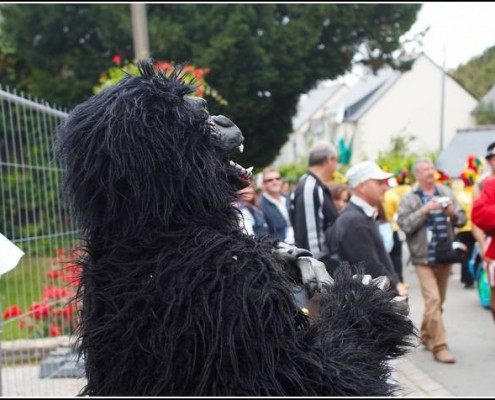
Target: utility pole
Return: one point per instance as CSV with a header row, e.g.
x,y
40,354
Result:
x,y
140,31
442,103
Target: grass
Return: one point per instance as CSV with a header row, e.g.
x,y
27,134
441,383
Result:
x,y
22,286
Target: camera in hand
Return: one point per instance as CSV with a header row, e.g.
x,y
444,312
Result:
x,y
442,200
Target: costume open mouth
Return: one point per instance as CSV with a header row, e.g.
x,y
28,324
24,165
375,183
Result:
x,y
231,141
238,176
243,175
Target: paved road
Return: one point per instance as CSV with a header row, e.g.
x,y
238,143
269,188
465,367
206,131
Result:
x,y
471,337
23,381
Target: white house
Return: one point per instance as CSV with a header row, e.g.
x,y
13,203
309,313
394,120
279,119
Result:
x,y
423,102
313,120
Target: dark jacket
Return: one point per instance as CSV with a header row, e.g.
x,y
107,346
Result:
x,y
277,224
312,213
260,227
356,239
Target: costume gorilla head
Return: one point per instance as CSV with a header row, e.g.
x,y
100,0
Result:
x,y
176,300
142,152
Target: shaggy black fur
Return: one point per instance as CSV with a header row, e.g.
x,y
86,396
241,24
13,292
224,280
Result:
x,y
176,300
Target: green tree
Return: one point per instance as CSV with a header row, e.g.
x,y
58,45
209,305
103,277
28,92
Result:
x,y
485,114
65,46
262,56
478,74
398,159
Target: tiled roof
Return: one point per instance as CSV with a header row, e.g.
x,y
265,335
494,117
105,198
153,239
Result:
x,y
312,102
466,142
367,91
358,99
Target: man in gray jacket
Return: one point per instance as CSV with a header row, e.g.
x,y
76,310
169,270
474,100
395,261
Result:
x,y
427,214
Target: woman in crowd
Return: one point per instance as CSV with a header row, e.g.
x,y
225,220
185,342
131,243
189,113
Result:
x,y
340,195
252,218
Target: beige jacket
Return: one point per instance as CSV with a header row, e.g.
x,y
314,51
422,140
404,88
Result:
x,y
412,222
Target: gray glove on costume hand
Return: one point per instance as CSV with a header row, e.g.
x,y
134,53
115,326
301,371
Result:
x,y
313,272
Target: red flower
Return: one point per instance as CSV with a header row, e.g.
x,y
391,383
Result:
x,y
68,312
11,312
55,330
39,310
60,252
200,91
53,274
198,73
71,267
54,293
70,279
163,65
116,59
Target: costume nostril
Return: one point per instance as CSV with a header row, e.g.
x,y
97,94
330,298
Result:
x,y
222,121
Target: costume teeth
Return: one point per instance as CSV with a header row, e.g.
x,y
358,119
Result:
x,y
248,172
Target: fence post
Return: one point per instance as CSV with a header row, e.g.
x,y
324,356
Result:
x,y
1,338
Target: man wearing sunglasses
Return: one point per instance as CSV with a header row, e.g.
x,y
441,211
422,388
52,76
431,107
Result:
x,y
275,206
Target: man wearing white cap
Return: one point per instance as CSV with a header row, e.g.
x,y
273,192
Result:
x,y
355,236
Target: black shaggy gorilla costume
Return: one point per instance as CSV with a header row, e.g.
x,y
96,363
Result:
x,y
177,300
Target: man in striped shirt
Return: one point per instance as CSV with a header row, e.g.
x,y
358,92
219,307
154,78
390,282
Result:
x,y
427,213
312,210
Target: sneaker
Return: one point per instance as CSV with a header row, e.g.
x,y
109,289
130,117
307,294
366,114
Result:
x,y
444,356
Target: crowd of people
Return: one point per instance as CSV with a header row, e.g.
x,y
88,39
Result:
x,y
363,222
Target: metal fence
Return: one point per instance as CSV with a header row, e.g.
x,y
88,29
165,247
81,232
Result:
x,y
36,318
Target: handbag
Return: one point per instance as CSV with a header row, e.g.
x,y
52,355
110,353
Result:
x,y
448,251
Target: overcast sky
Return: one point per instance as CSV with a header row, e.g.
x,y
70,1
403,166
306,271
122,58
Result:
x,y
464,29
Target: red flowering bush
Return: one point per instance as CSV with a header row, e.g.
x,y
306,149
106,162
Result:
x,y
56,313
12,312
191,75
